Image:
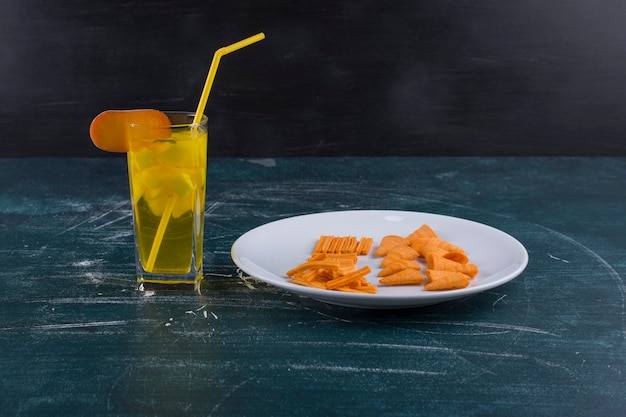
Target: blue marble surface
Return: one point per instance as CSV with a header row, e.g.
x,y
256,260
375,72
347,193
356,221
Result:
x,y
77,339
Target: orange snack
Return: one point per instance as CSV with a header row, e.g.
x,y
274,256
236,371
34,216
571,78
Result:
x,y
418,243
390,259
332,265
444,260
322,244
404,277
348,279
425,244
424,231
333,262
348,245
364,246
343,244
439,243
424,251
352,257
398,266
368,289
445,280
109,130
404,252
389,242
440,263
459,257
334,246
314,282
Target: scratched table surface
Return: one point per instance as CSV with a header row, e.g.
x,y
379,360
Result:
x,y
76,339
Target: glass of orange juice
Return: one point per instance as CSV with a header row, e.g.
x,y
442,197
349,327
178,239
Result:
x,y
167,187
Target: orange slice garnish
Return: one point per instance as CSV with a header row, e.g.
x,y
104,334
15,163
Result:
x,y
110,130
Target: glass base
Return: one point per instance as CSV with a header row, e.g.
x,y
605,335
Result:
x,y
169,284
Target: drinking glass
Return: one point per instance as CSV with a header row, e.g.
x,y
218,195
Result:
x,y
167,188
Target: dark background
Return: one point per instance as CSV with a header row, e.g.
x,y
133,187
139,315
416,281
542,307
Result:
x,y
435,77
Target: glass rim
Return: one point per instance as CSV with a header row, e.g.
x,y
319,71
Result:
x,y
203,120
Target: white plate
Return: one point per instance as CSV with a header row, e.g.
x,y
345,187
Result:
x,y
270,250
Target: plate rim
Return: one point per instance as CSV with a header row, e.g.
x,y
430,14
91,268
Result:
x,y
376,301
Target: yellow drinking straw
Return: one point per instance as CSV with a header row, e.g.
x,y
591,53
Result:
x,y
213,70
167,213
165,218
